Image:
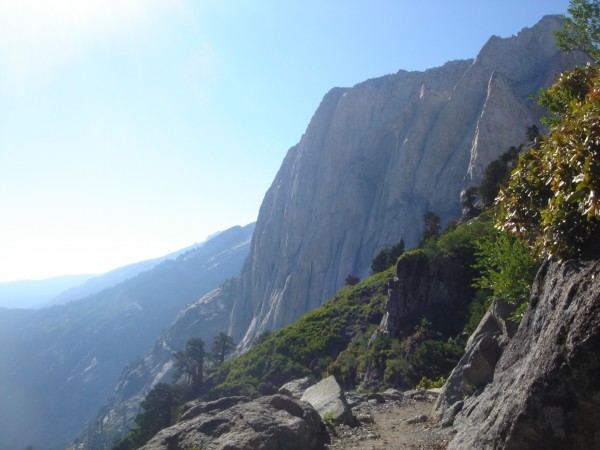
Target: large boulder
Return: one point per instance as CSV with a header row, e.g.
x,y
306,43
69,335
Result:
x,y
545,391
328,398
476,368
270,423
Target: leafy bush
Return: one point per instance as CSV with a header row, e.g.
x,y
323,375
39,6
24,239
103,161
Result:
x,y
507,268
552,197
426,383
581,30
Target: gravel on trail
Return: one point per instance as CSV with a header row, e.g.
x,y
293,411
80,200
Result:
x,y
399,424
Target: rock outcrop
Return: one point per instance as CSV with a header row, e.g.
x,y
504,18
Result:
x,y
476,368
373,159
545,391
269,423
422,283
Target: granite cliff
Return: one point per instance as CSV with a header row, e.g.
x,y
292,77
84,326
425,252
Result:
x,y
373,159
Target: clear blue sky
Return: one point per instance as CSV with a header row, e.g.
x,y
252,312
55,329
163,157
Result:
x,y
132,128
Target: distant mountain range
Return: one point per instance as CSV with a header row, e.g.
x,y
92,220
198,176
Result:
x,y
59,365
58,290
37,293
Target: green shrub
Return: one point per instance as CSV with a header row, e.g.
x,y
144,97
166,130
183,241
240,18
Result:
x,y
426,383
329,419
552,198
507,267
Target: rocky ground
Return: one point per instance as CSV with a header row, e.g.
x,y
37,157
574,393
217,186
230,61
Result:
x,y
402,423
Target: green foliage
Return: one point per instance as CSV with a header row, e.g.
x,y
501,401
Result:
x,y
431,225
431,347
460,242
495,175
387,257
552,197
189,364
329,419
507,267
222,346
307,346
159,411
262,337
426,383
570,87
352,280
581,31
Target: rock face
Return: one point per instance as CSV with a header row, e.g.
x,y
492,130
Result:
x,y
270,423
422,283
373,159
476,368
545,391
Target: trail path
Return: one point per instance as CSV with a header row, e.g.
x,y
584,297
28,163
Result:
x,y
405,424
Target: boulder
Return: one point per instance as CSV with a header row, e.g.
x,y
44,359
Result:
x,y
271,423
296,388
327,397
545,391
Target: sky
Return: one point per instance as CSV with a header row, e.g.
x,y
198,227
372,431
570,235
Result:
x,y
133,128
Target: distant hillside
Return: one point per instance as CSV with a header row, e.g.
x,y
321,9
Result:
x,y
36,293
58,365
59,290
112,278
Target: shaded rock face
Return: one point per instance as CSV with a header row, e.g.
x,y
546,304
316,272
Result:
x,y
476,368
373,159
422,283
271,423
545,391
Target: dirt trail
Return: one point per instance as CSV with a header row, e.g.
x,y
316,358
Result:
x,y
405,424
